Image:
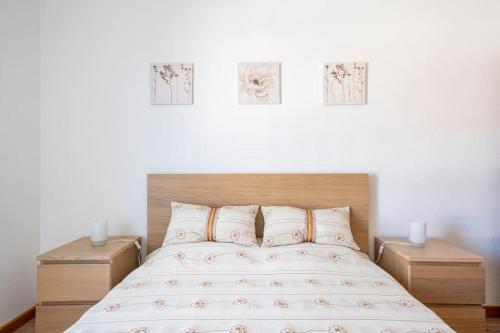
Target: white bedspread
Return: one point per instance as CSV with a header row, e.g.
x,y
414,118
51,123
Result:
x,y
219,287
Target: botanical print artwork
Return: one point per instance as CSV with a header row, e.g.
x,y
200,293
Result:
x,y
259,82
344,83
172,83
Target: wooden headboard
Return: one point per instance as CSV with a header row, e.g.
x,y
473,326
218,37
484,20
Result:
x,y
215,190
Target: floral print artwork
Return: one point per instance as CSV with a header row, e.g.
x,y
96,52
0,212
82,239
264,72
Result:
x,y
344,83
259,83
172,83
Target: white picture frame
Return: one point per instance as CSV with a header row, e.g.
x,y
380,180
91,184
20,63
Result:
x,y
171,83
344,83
259,83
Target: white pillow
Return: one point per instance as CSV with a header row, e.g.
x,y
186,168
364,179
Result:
x,y
290,225
194,223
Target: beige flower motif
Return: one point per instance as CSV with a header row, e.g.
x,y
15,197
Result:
x,y
387,330
321,301
253,211
404,303
298,235
148,263
238,329
338,237
241,281
363,258
235,235
275,284
281,303
241,254
134,285
302,253
336,329
381,284
310,281
139,330
287,330
209,258
272,257
205,284
190,330
180,256
435,330
199,304
202,209
171,283
346,283
268,213
240,301
158,302
269,241
112,307
364,305
180,234
333,257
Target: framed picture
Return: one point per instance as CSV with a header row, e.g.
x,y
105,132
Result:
x,y
171,83
344,83
259,83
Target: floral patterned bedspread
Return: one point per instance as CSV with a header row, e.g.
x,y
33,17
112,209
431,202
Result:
x,y
223,287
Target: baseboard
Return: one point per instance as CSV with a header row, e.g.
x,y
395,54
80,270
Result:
x,y
18,320
492,311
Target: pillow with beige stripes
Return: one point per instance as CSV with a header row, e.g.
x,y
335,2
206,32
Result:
x,y
195,223
286,225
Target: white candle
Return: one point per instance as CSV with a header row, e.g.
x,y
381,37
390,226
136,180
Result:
x,y
99,232
417,232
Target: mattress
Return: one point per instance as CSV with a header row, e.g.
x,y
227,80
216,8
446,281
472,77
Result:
x,y
220,287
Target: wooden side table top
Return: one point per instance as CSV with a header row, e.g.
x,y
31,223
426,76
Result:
x,y
83,250
434,250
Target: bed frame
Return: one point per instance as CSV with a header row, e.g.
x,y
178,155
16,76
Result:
x,y
215,190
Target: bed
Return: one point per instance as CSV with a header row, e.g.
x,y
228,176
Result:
x,y
223,287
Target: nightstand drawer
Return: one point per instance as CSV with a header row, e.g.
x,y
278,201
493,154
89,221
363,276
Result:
x,y
447,284
463,319
73,282
58,318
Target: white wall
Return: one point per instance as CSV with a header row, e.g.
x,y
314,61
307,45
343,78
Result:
x,y
19,154
429,135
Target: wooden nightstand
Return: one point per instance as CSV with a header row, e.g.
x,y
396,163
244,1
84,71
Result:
x,y
75,276
446,278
